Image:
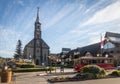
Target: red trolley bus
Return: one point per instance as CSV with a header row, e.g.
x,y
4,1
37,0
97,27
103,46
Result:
x,y
103,62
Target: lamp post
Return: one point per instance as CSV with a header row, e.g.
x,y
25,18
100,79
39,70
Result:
x,y
62,62
50,62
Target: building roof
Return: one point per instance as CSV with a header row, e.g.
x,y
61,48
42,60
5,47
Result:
x,y
113,37
31,44
111,34
93,49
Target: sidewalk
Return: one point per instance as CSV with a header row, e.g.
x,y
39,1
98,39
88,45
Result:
x,y
58,71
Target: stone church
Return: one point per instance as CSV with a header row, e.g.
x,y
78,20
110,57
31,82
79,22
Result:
x,y
37,49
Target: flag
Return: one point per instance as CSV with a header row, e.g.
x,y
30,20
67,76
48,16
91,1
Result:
x,y
102,44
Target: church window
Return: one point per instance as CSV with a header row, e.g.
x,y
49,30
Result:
x,y
37,36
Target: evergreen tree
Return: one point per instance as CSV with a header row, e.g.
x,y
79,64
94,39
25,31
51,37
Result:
x,y
18,52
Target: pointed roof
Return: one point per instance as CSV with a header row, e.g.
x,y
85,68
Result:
x,y
37,19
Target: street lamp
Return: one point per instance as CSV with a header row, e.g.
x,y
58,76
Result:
x,y
50,62
62,62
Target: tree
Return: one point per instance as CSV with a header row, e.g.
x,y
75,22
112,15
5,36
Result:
x,y
18,52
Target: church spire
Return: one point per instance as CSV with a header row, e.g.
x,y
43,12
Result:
x,y
37,32
37,19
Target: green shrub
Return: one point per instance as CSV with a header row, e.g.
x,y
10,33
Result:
x,y
93,71
102,72
32,69
0,70
25,65
115,73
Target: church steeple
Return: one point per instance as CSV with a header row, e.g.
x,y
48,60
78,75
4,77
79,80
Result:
x,y
37,32
37,19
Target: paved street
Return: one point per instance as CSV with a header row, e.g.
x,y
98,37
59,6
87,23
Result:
x,y
41,78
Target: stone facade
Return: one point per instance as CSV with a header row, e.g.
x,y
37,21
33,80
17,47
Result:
x,y
37,49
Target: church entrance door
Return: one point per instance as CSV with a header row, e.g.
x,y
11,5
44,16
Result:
x,y
37,62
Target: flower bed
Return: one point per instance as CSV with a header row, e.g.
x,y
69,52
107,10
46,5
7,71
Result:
x,y
60,79
87,74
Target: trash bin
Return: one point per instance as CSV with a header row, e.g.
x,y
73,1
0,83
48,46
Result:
x,y
6,76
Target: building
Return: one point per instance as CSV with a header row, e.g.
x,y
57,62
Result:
x,y
92,49
111,48
37,49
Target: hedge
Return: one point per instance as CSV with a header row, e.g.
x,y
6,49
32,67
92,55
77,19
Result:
x,y
25,65
32,69
115,73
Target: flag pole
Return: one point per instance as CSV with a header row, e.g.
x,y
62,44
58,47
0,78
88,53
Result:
x,y
101,46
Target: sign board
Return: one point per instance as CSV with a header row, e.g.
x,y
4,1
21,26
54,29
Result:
x,y
65,50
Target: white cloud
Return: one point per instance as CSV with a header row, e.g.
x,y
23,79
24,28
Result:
x,y
64,11
5,52
110,13
8,40
18,2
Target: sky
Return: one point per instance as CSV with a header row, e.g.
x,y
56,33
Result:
x,y
65,23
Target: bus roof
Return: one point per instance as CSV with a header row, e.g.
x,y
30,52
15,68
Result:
x,y
95,58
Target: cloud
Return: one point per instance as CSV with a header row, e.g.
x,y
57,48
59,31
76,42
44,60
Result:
x,y
110,13
5,52
64,11
18,2
8,40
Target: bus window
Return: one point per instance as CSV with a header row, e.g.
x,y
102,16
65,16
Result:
x,y
94,61
105,61
110,61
